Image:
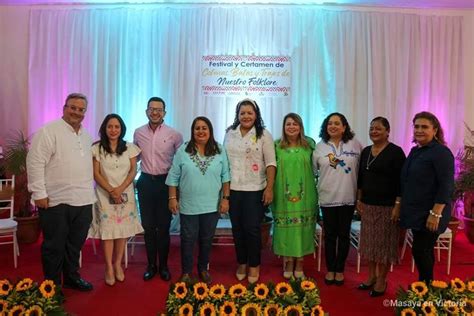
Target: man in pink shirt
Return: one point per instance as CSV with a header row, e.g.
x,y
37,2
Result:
x,y
158,143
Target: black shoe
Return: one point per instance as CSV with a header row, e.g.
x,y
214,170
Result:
x,y
375,293
165,274
149,273
78,284
329,282
339,282
365,287
205,277
186,278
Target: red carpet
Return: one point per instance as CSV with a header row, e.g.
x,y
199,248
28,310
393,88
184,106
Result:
x,y
135,297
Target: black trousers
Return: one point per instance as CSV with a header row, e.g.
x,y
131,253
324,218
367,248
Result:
x,y
155,216
198,228
337,227
65,230
246,212
423,253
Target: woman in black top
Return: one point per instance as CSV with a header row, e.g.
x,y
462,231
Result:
x,y
379,204
427,182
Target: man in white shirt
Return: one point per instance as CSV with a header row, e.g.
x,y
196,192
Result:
x,y
60,178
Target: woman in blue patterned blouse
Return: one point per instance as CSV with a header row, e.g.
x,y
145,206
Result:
x,y
200,171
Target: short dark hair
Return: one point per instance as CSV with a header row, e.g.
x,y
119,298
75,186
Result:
x,y
259,125
382,121
104,140
348,133
212,148
156,99
76,95
439,136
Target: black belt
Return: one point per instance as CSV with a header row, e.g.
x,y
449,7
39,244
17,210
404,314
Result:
x,y
154,176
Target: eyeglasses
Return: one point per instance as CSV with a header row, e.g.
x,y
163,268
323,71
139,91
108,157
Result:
x,y
155,110
76,109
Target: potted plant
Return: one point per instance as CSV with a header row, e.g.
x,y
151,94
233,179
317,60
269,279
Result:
x,y
14,163
464,189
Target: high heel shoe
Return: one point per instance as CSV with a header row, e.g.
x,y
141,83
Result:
x,y
287,267
375,293
365,287
119,275
299,269
254,274
241,272
109,278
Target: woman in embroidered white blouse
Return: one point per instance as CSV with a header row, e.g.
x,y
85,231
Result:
x,y
337,158
252,165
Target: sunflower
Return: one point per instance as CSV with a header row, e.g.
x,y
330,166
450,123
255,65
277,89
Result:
x,y
307,285
207,309
429,309
200,290
293,310
451,307
272,310
458,285
47,288
261,291
439,284
419,288
180,290
408,312
317,310
34,310
283,288
24,285
228,308
3,307
470,286
467,307
251,309
5,287
237,290
186,310
217,291
17,310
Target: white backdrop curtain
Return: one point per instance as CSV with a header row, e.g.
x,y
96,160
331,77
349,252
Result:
x,y
362,64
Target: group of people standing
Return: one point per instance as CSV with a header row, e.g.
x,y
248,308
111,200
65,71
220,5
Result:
x,y
201,179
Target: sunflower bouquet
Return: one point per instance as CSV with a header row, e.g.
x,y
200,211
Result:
x,y
296,297
437,298
30,298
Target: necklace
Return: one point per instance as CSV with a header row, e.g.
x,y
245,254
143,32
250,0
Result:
x,y
371,158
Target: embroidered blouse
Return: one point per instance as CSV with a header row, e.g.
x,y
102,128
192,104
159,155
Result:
x,y
249,158
199,180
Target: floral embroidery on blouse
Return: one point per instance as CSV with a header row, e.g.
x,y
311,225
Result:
x,y
202,164
300,219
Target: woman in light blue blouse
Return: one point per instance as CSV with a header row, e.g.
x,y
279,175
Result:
x,y
200,171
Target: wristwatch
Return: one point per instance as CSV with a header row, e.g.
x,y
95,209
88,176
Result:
x,y
226,197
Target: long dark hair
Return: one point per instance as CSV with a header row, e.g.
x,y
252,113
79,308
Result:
x,y
284,143
212,148
439,136
348,133
259,125
104,142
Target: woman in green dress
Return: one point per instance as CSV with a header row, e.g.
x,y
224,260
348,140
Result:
x,y
295,200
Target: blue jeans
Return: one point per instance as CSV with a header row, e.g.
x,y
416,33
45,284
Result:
x,y
200,228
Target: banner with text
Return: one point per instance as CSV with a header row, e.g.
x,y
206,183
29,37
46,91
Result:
x,y
264,76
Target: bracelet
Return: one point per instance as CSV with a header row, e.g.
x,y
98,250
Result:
x,y
397,202
435,215
172,198
226,197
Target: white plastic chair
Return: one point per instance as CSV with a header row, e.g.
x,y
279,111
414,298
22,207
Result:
x,y
8,226
318,242
444,242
